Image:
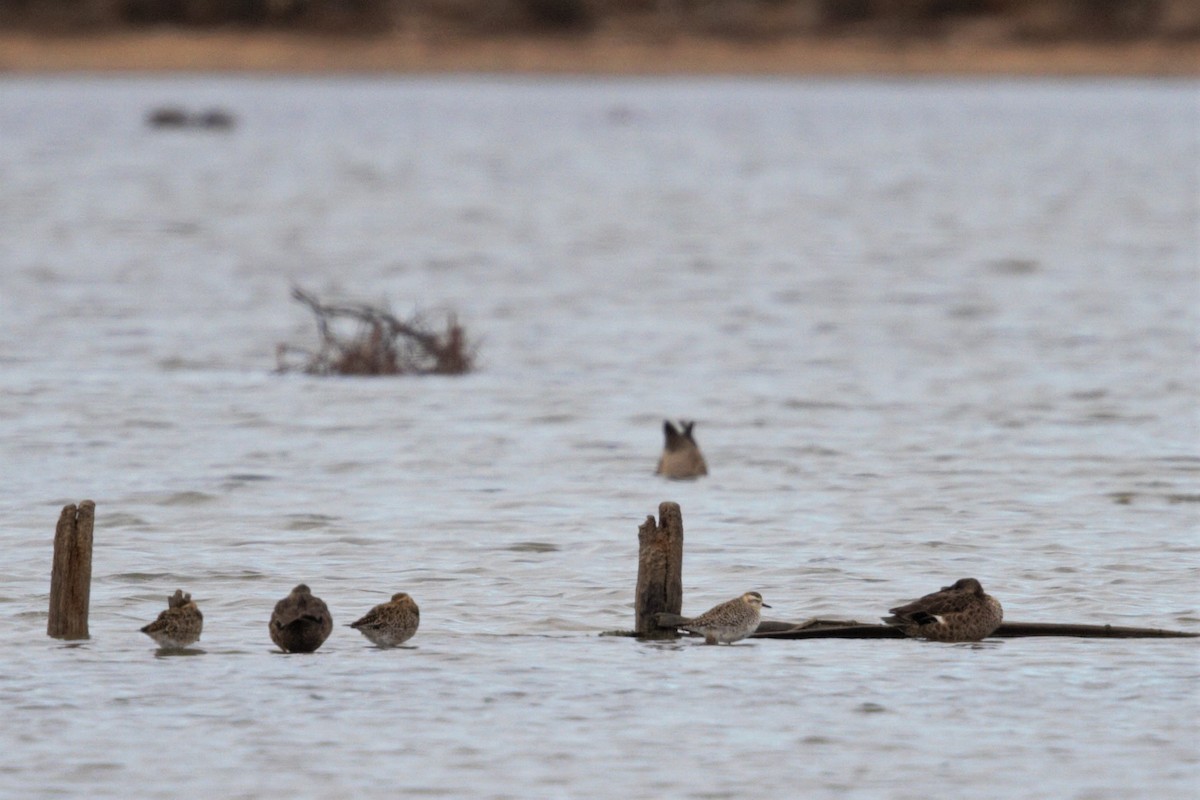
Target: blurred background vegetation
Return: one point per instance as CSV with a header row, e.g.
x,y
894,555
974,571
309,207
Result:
x,y
996,20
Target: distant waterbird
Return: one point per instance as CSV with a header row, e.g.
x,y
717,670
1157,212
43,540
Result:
x,y
681,457
300,622
727,622
179,625
167,117
962,612
175,117
391,623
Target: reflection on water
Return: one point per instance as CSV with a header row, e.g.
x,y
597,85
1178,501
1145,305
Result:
x,y
929,330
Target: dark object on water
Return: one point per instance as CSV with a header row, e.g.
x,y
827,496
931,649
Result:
x,y
167,117
681,457
174,117
962,612
849,629
71,573
1013,630
301,622
1007,630
381,344
214,118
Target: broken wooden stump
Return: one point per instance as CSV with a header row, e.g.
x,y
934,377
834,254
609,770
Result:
x,y
660,571
71,573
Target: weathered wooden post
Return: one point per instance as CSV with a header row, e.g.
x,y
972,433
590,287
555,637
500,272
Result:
x,y
71,575
660,571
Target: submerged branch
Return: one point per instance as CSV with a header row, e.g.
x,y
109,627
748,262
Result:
x,y
380,344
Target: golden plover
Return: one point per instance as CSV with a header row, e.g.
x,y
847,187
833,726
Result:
x,y
300,622
179,625
391,623
959,613
728,622
681,456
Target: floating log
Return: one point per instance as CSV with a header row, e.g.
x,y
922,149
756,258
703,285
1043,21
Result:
x,y
1013,630
1007,630
660,571
71,574
660,590
851,631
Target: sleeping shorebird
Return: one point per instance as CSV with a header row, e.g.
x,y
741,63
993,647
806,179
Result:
x,y
391,623
179,625
300,622
681,456
728,622
959,613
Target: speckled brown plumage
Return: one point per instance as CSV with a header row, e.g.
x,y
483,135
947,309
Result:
x,y
727,622
178,626
300,622
391,623
959,613
681,456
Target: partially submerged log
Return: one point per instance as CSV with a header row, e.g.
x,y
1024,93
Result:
x,y
660,571
660,592
71,573
846,630
849,629
378,343
1013,630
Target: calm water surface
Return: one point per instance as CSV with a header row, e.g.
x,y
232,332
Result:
x,y
929,330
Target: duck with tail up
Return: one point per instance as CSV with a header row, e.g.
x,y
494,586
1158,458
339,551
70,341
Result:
x,y
681,457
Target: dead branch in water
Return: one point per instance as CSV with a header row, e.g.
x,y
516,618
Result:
x,y
379,344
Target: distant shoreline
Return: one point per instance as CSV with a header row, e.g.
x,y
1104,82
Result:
x,y
172,51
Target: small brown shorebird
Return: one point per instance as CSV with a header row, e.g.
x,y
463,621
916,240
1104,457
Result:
x,y
391,623
300,622
681,456
728,622
178,626
959,613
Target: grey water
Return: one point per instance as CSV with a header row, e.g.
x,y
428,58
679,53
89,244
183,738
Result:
x,y
928,330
